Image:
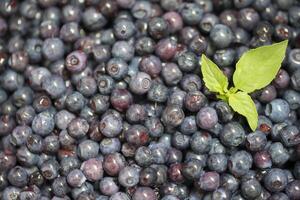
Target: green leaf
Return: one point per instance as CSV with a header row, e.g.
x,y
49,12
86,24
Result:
x,y
258,67
213,77
242,103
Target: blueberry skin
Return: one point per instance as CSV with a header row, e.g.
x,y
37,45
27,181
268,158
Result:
x,y
54,86
144,193
275,180
277,110
217,162
256,141
143,156
11,80
129,176
180,141
188,125
92,169
293,60
207,118
140,83
49,169
78,128
187,61
198,45
43,123
110,145
123,50
208,21
242,4
221,36
191,13
279,196
88,149
151,65
76,178
289,135
60,187
158,28
148,176
75,101
53,49
224,57
232,134
63,118
295,80
154,126
11,192
293,98
194,101
192,169
108,186
239,163
87,86
113,163
119,196
293,13
251,189
117,68
158,93
209,181
68,164
191,83
172,116
200,142
248,18
159,153
70,32
292,190
224,111
93,20
229,182
17,176
111,125
278,153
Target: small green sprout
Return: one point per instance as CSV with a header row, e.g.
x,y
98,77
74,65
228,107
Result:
x,y
255,70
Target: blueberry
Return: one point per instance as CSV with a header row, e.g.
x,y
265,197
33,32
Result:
x,y
110,145
92,169
140,83
129,176
93,20
217,162
190,83
108,186
278,153
239,163
88,149
191,13
144,193
292,190
232,134
207,118
78,128
53,49
221,35
200,142
275,180
43,123
209,181
158,27
110,125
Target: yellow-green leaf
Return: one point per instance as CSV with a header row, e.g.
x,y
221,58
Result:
x,y
213,77
242,103
258,67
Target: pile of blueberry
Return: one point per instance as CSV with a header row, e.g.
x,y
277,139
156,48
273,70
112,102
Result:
x,y
104,100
